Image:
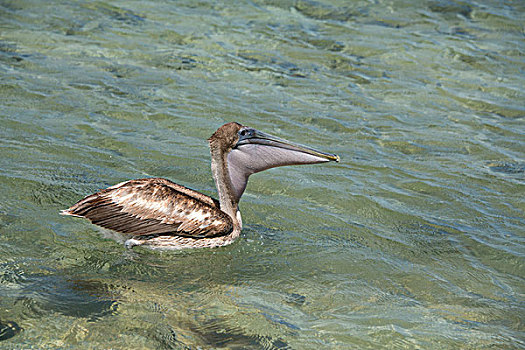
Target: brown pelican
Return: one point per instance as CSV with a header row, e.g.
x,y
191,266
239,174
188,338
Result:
x,y
161,214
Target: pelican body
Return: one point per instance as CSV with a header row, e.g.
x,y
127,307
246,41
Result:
x,y
158,213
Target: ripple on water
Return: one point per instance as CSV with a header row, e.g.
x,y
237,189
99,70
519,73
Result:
x,y
507,168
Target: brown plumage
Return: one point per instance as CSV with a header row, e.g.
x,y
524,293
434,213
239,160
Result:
x,y
159,213
154,207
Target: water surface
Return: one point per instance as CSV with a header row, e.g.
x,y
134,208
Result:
x,y
415,240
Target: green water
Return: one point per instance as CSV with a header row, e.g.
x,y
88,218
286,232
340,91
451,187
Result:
x,y
415,240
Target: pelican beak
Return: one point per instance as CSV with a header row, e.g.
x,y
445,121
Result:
x,y
253,136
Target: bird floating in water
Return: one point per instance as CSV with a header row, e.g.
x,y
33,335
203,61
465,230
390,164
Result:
x,y
158,213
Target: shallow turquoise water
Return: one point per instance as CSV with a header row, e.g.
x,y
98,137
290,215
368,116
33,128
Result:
x,y
415,240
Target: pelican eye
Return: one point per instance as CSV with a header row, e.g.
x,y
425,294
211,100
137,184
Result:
x,y
244,132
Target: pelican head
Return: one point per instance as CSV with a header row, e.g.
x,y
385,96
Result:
x,y
246,151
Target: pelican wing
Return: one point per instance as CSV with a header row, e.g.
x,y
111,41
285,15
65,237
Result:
x,y
154,207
